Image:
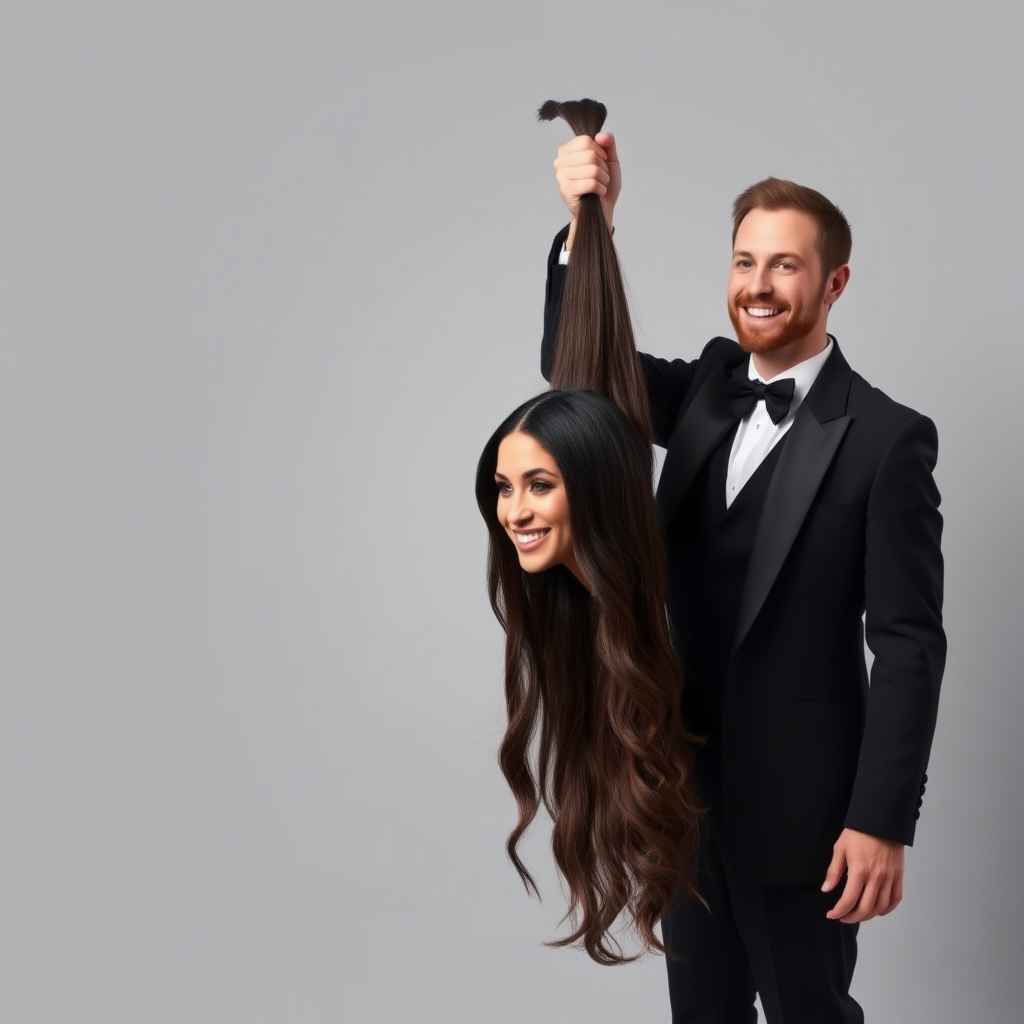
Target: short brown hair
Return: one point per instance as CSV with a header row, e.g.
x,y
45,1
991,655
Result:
x,y
834,237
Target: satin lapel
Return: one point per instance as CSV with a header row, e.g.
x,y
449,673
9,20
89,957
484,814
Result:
x,y
701,429
805,456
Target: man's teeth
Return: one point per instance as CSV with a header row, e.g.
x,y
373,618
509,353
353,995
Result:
x,y
758,311
526,538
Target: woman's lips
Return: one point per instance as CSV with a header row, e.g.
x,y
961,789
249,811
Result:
x,y
527,540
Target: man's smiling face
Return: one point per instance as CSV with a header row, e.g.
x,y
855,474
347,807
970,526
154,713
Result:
x,y
777,291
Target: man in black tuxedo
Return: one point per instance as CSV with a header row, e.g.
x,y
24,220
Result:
x,y
801,517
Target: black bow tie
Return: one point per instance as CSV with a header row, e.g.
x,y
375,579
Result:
x,y
744,393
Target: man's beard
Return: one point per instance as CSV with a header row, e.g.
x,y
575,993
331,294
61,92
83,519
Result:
x,y
783,332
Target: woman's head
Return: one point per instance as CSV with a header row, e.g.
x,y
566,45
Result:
x,y
565,478
533,507
592,686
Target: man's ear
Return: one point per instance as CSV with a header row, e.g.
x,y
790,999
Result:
x,y
836,283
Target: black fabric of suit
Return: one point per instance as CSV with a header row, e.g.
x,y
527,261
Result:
x,y
708,549
734,947
799,745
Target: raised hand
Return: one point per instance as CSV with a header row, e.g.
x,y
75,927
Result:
x,y
586,165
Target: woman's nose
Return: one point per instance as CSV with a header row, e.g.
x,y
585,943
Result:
x,y
519,511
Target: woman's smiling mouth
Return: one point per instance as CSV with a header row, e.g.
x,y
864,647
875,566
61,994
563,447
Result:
x,y
527,541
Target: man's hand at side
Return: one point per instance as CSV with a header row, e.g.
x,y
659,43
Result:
x,y
586,165
874,882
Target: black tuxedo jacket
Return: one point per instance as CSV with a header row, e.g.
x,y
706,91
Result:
x,y
847,541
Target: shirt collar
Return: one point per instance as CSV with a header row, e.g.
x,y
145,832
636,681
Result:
x,y
803,373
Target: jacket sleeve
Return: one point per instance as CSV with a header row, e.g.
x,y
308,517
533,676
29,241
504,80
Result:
x,y
667,380
903,621
552,303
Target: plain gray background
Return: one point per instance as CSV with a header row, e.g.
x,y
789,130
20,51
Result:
x,y
271,273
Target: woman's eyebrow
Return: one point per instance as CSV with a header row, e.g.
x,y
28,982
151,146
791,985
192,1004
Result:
x,y
529,473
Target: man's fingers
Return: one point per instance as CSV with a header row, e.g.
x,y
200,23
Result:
x,y
586,166
576,187
882,899
577,142
895,896
577,180
581,163
581,174
848,900
871,900
585,173
834,874
581,148
897,889
874,883
893,904
595,188
607,142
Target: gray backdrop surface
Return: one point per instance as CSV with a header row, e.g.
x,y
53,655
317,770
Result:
x,y
271,273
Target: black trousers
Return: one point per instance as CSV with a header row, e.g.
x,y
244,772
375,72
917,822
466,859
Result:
x,y
772,941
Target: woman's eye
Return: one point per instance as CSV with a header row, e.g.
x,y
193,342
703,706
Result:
x,y
504,489
540,486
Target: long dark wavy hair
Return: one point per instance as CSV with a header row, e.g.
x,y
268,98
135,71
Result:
x,y
595,346
592,685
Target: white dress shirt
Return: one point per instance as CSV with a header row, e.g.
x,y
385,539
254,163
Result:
x,y
756,435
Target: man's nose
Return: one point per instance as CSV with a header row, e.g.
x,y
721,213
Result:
x,y
760,282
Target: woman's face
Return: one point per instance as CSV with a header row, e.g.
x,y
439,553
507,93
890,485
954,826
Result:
x,y
533,507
